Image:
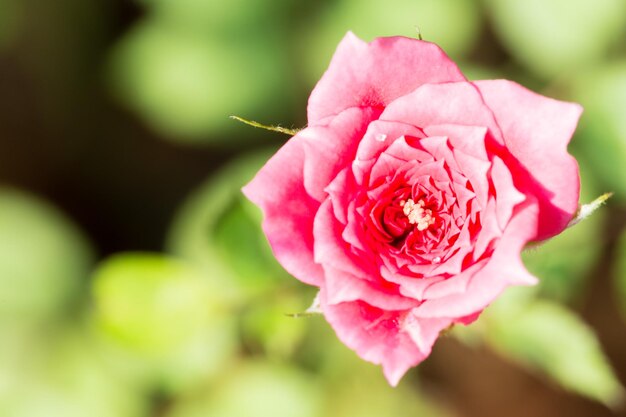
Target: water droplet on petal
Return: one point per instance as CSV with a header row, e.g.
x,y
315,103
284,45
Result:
x,y
436,260
380,137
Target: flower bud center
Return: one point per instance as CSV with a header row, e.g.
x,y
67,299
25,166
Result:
x,y
417,214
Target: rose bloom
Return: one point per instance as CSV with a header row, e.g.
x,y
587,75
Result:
x,y
412,192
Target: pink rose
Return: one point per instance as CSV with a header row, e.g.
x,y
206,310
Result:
x,y
410,195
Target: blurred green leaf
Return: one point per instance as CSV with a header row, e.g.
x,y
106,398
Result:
x,y
237,236
562,276
10,15
201,358
619,274
550,338
151,302
164,319
553,36
44,258
478,72
257,389
452,24
218,230
186,86
267,327
602,139
60,375
235,17
367,394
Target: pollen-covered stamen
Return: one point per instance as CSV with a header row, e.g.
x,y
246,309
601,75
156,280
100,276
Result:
x,y
417,214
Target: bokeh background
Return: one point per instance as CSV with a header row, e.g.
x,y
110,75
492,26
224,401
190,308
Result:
x,y
135,281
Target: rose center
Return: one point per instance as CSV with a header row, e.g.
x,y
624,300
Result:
x,y
417,213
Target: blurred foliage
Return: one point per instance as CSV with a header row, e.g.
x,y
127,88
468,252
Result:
x,y
175,76
203,328
619,275
546,336
9,20
163,316
217,228
150,302
61,375
270,391
563,276
603,128
43,259
236,17
552,37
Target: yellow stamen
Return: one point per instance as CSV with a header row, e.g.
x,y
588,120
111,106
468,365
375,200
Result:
x,y
417,214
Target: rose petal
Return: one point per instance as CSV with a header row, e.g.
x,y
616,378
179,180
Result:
x,y
402,150
489,231
468,139
475,170
504,268
329,149
507,196
411,286
537,130
424,331
354,232
438,147
454,285
386,165
381,134
457,103
339,193
374,74
331,250
375,336
278,189
344,287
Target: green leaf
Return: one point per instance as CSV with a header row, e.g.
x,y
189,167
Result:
x,y
267,327
602,137
162,318
44,258
256,389
552,339
367,394
60,374
186,86
619,274
11,16
150,301
223,18
562,277
219,231
553,36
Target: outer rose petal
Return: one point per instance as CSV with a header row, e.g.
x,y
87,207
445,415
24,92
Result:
x,y
373,74
536,131
278,189
378,336
330,248
330,148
